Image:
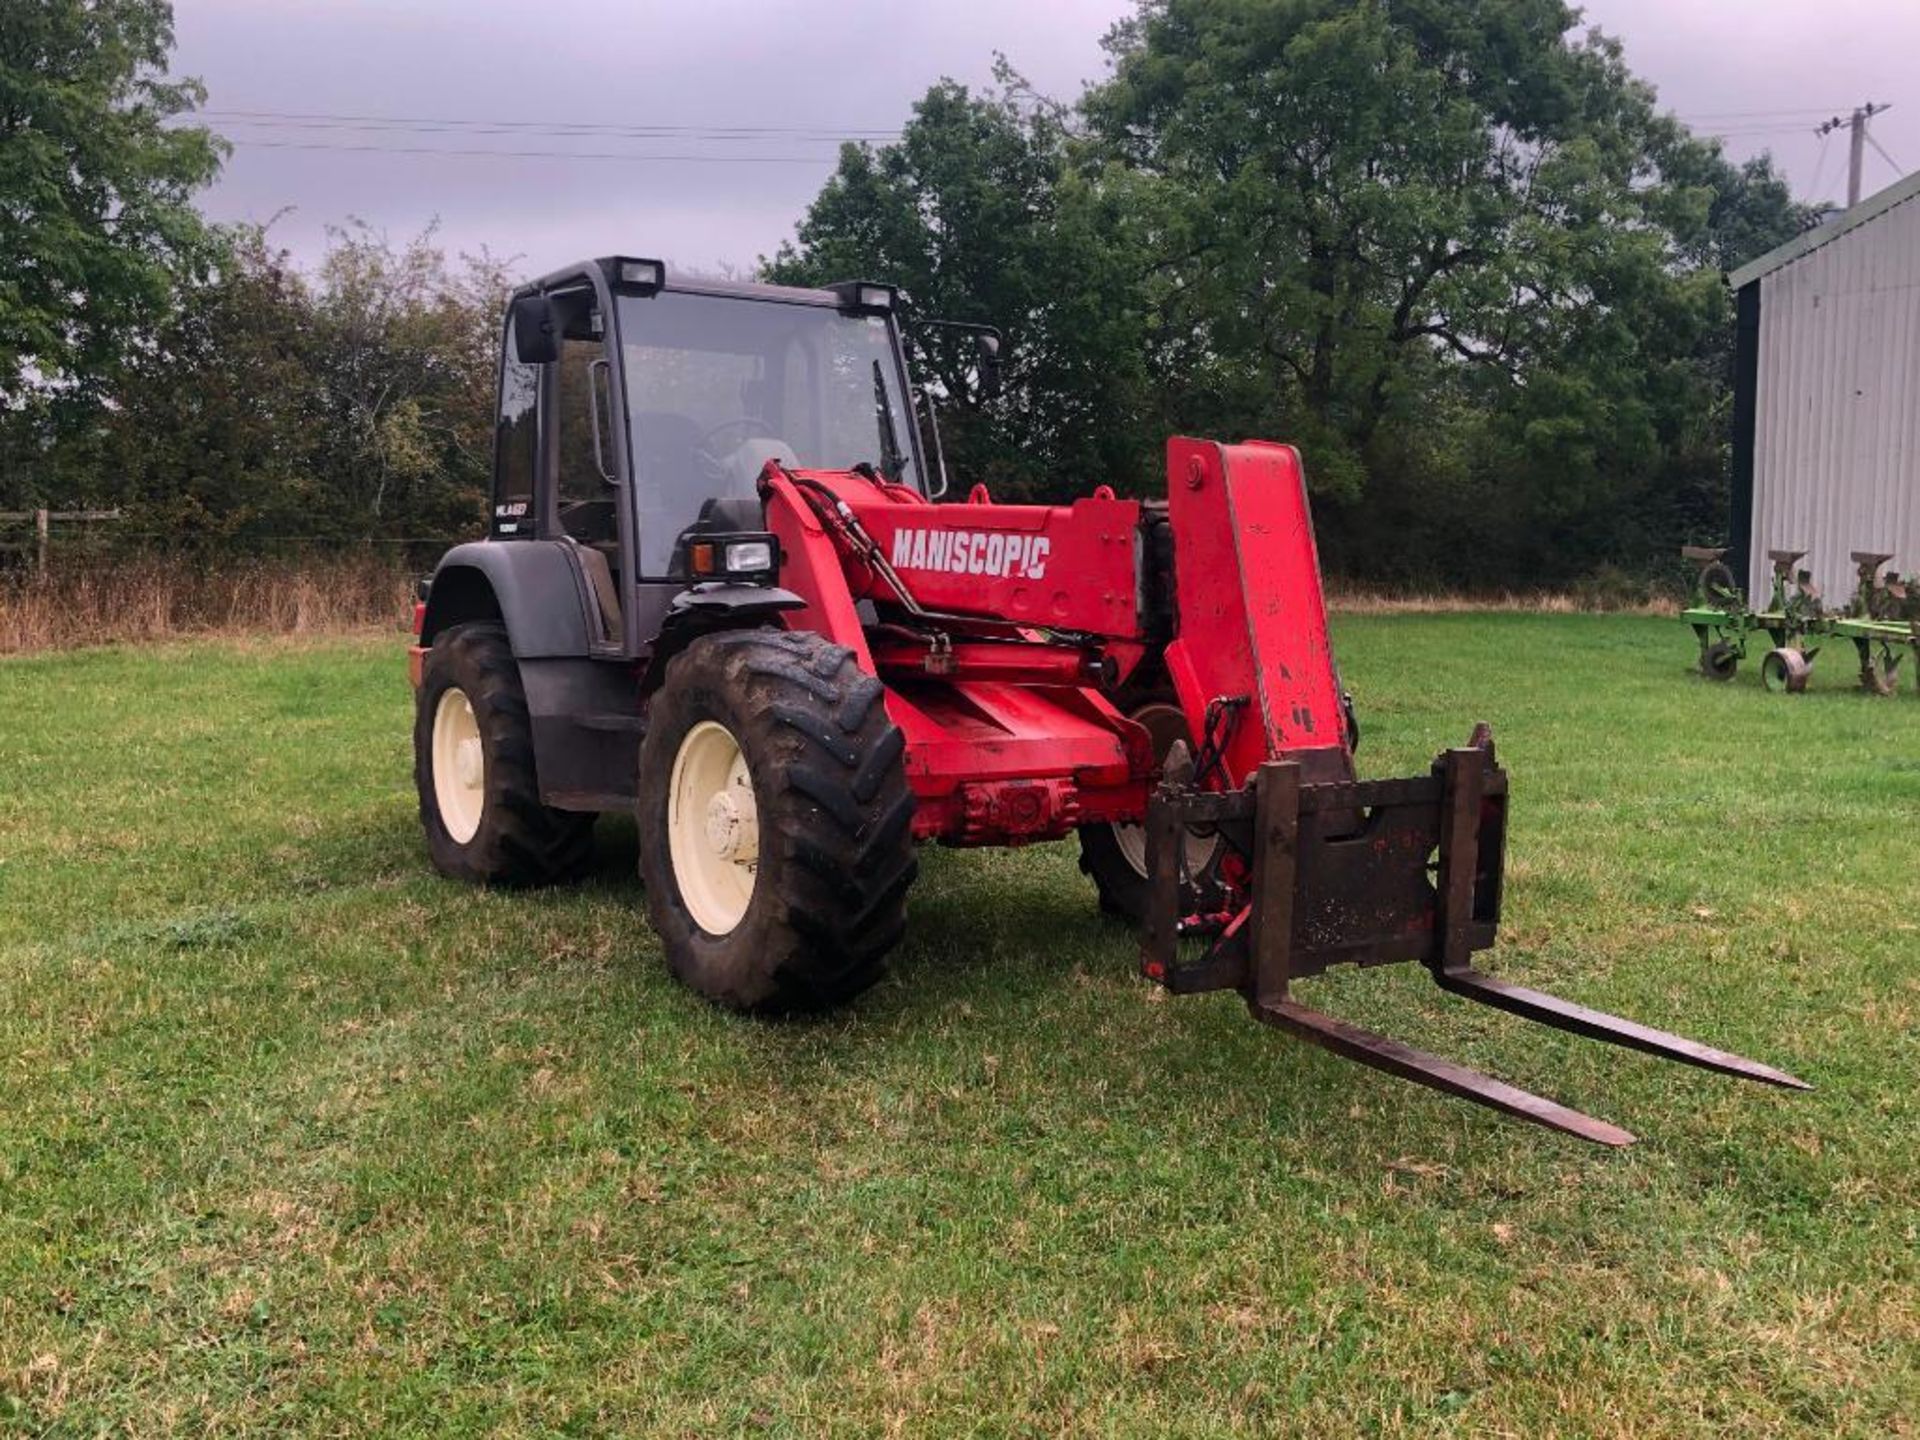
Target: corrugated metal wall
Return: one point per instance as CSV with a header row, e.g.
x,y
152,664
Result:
x,y
1836,463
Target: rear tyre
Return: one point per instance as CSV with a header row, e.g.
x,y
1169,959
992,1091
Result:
x,y
473,767
1115,856
776,823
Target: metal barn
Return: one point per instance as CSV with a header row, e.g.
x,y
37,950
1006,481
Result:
x,y
1826,442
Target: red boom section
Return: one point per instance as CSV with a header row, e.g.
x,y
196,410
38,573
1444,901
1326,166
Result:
x,y
1001,623
1068,566
1252,640
1006,740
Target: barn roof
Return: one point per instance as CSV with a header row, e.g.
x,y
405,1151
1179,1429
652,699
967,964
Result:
x,y
1870,208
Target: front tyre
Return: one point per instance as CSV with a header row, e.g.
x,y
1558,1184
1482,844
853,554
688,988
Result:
x,y
776,823
473,767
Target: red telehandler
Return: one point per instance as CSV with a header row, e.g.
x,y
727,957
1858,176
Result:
x,y
718,594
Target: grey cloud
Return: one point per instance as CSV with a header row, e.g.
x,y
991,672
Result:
x,y
829,68
1740,66
836,66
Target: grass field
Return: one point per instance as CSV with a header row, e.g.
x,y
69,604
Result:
x,y
295,1136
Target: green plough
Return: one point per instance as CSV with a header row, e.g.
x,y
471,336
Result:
x,y
1882,621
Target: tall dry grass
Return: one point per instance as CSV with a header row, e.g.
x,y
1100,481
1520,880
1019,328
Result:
x,y
104,601
1607,589
1360,600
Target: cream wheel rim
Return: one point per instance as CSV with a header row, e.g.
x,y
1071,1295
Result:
x,y
459,765
713,827
1165,723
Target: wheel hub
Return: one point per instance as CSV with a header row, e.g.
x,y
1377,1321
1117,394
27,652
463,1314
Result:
x,y
459,766
713,827
733,825
468,767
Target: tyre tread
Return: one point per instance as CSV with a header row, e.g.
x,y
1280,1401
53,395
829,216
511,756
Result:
x,y
522,841
840,811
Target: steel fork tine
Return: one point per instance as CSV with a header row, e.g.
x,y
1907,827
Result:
x,y
1598,1025
1355,1043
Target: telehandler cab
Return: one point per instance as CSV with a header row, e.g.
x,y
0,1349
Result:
x,y
718,594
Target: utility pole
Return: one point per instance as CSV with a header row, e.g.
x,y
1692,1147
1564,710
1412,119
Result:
x,y
1856,143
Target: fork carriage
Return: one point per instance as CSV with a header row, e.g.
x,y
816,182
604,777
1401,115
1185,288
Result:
x,y
1373,872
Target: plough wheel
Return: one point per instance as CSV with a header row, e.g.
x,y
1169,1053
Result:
x,y
1723,592
1719,661
1785,670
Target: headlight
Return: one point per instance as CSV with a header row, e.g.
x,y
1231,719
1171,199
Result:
x,y
742,557
749,555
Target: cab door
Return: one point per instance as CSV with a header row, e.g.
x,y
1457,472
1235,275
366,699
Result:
x,y
585,497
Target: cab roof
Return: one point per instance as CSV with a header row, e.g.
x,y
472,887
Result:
x,y
835,298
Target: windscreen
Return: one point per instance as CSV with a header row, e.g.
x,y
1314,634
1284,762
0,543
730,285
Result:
x,y
717,385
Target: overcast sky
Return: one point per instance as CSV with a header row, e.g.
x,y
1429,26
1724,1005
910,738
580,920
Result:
x,y
757,92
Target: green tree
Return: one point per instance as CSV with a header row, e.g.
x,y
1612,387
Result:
x,y
209,439
96,217
353,403
1457,254
405,348
978,214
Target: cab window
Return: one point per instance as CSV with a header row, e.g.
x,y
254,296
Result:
x,y
584,496
516,446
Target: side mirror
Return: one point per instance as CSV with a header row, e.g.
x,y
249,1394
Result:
x,y
536,339
986,353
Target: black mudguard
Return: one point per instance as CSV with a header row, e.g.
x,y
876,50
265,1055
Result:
x,y
533,587
715,606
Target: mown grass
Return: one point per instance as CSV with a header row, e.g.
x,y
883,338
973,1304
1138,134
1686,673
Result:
x,y
295,1136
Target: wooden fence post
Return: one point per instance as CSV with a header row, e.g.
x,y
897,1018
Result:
x,y
43,519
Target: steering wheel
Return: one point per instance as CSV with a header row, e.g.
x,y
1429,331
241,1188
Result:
x,y
747,425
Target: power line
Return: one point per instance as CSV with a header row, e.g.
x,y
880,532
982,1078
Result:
x,y
320,120
547,131
1820,165
1727,123
477,152
269,130
1811,110
1789,118
494,154
1736,124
